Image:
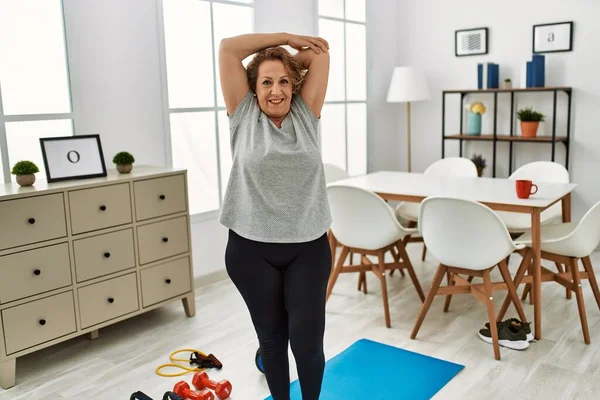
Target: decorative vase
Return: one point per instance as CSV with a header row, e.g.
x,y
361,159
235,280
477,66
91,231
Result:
x,y
507,85
473,124
479,172
26,180
124,168
529,128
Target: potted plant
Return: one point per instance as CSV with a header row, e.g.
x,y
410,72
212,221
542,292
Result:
x,y
480,163
530,121
507,83
476,110
124,162
25,172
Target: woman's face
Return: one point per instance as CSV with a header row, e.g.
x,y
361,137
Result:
x,y
274,89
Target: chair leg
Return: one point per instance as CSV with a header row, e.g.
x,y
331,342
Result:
x,y
580,302
561,270
435,284
336,272
587,264
518,278
411,270
365,261
361,278
450,276
512,291
424,252
487,285
384,294
397,258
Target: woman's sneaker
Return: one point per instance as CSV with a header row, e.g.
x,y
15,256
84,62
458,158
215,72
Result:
x,y
508,336
518,324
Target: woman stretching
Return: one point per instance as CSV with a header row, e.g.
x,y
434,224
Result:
x,y
276,205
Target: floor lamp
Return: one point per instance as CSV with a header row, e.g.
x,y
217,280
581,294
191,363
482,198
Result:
x,y
407,85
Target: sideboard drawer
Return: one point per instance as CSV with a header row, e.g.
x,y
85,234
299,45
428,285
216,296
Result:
x,y
165,281
33,272
103,254
159,196
37,322
162,239
101,207
32,220
107,300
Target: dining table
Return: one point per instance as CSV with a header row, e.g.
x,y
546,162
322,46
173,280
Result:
x,y
497,193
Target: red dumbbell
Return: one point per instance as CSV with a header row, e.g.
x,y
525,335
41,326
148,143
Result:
x,y
222,388
183,389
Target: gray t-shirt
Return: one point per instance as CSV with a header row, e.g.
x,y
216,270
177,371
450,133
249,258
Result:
x,y
276,191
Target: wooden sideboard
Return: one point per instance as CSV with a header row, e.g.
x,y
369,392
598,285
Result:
x,y
76,256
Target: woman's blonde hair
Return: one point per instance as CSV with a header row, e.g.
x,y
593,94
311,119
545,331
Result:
x,y
293,67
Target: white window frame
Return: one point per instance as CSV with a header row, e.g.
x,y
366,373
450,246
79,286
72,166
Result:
x,y
167,111
367,77
6,163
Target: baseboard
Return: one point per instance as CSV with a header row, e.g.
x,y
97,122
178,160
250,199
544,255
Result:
x,y
213,277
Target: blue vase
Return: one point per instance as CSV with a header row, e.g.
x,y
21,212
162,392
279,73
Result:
x,y
473,124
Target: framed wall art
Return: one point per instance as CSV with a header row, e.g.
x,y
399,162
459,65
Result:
x,y
73,157
470,42
554,37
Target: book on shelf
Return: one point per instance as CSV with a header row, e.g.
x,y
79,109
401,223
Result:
x,y
488,76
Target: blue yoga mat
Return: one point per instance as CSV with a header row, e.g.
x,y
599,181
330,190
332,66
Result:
x,y
373,370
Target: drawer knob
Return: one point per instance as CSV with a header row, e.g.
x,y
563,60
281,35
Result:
x,y
102,208
31,220
165,239
42,322
162,197
37,272
107,254
168,281
111,300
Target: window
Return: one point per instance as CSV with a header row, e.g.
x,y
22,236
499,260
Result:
x,y
35,98
197,118
344,117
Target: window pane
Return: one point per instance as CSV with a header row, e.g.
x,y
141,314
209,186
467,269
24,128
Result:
x,y
24,140
230,21
355,10
193,146
356,62
33,70
331,8
333,135
333,32
188,53
224,150
357,139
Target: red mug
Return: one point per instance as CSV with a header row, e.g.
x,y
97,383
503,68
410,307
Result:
x,y
524,188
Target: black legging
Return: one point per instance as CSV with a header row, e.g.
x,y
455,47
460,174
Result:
x,y
284,285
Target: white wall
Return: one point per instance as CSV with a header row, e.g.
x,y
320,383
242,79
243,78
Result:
x,y
425,30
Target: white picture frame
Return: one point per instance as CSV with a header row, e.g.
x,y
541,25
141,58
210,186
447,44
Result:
x,y
553,37
471,42
73,157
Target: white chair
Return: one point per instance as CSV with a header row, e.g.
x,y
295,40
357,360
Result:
x,y
365,224
567,243
537,171
466,238
449,166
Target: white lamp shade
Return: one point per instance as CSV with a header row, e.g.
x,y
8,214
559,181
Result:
x,y
408,84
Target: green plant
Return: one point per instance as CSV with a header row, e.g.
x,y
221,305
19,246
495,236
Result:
x,y
123,158
25,168
507,80
529,115
479,161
